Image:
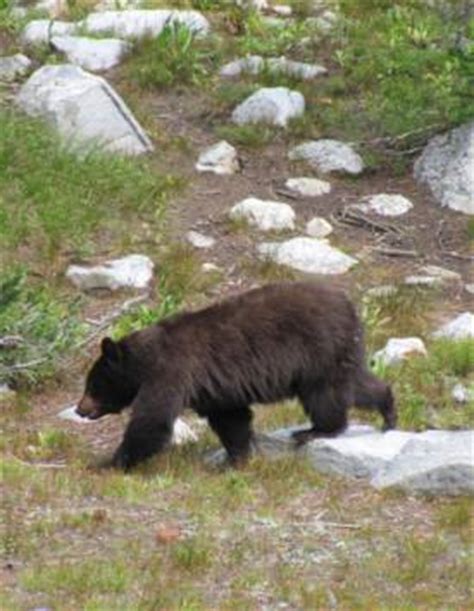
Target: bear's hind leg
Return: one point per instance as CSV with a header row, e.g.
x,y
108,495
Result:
x,y
234,429
327,407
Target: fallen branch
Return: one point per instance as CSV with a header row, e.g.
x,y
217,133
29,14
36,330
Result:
x,y
350,216
396,252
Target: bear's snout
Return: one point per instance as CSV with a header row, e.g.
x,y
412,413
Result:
x,y
88,408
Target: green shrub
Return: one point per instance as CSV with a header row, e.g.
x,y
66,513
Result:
x,y
173,57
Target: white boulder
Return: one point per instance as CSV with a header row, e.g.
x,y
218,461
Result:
x,y
446,166
264,215
220,158
95,54
41,31
133,271
308,255
270,105
85,110
399,349
328,156
13,66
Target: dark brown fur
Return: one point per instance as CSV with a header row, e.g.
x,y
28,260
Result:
x,y
286,340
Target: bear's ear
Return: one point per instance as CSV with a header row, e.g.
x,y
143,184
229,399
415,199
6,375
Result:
x,y
111,350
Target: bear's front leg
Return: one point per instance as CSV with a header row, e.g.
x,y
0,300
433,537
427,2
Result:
x,y
145,436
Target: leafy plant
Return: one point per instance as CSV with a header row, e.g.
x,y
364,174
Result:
x,y
173,57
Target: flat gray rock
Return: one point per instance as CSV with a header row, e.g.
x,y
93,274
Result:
x,y
13,66
133,271
271,106
318,227
199,240
431,462
386,204
308,255
264,215
255,64
94,54
328,156
85,110
446,166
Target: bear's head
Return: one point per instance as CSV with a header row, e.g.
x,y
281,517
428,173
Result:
x,y
110,384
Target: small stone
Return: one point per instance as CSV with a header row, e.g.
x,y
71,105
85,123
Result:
x,y
270,105
399,349
461,327
183,433
167,533
13,66
318,227
199,240
265,215
254,64
90,53
328,156
415,280
282,10
221,158
69,413
308,255
469,288
211,268
386,204
462,394
133,271
308,187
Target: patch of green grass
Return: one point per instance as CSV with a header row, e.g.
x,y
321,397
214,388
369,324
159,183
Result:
x,y
45,325
175,57
402,71
250,136
51,200
193,555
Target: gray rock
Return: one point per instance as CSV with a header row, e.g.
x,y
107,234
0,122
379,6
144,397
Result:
x,y
133,271
461,327
85,110
13,66
221,158
308,255
446,166
386,204
399,349
137,24
469,288
318,227
254,64
198,240
264,215
308,187
434,463
270,105
91,53
328,156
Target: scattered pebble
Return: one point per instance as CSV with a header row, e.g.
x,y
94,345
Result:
x,y
318,227
264,215
308,187
199,240
220,158
399,349
270,105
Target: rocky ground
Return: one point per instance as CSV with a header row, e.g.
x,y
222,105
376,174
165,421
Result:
x,y
378,212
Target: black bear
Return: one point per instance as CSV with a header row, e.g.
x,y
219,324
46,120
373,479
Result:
x,y
285,340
